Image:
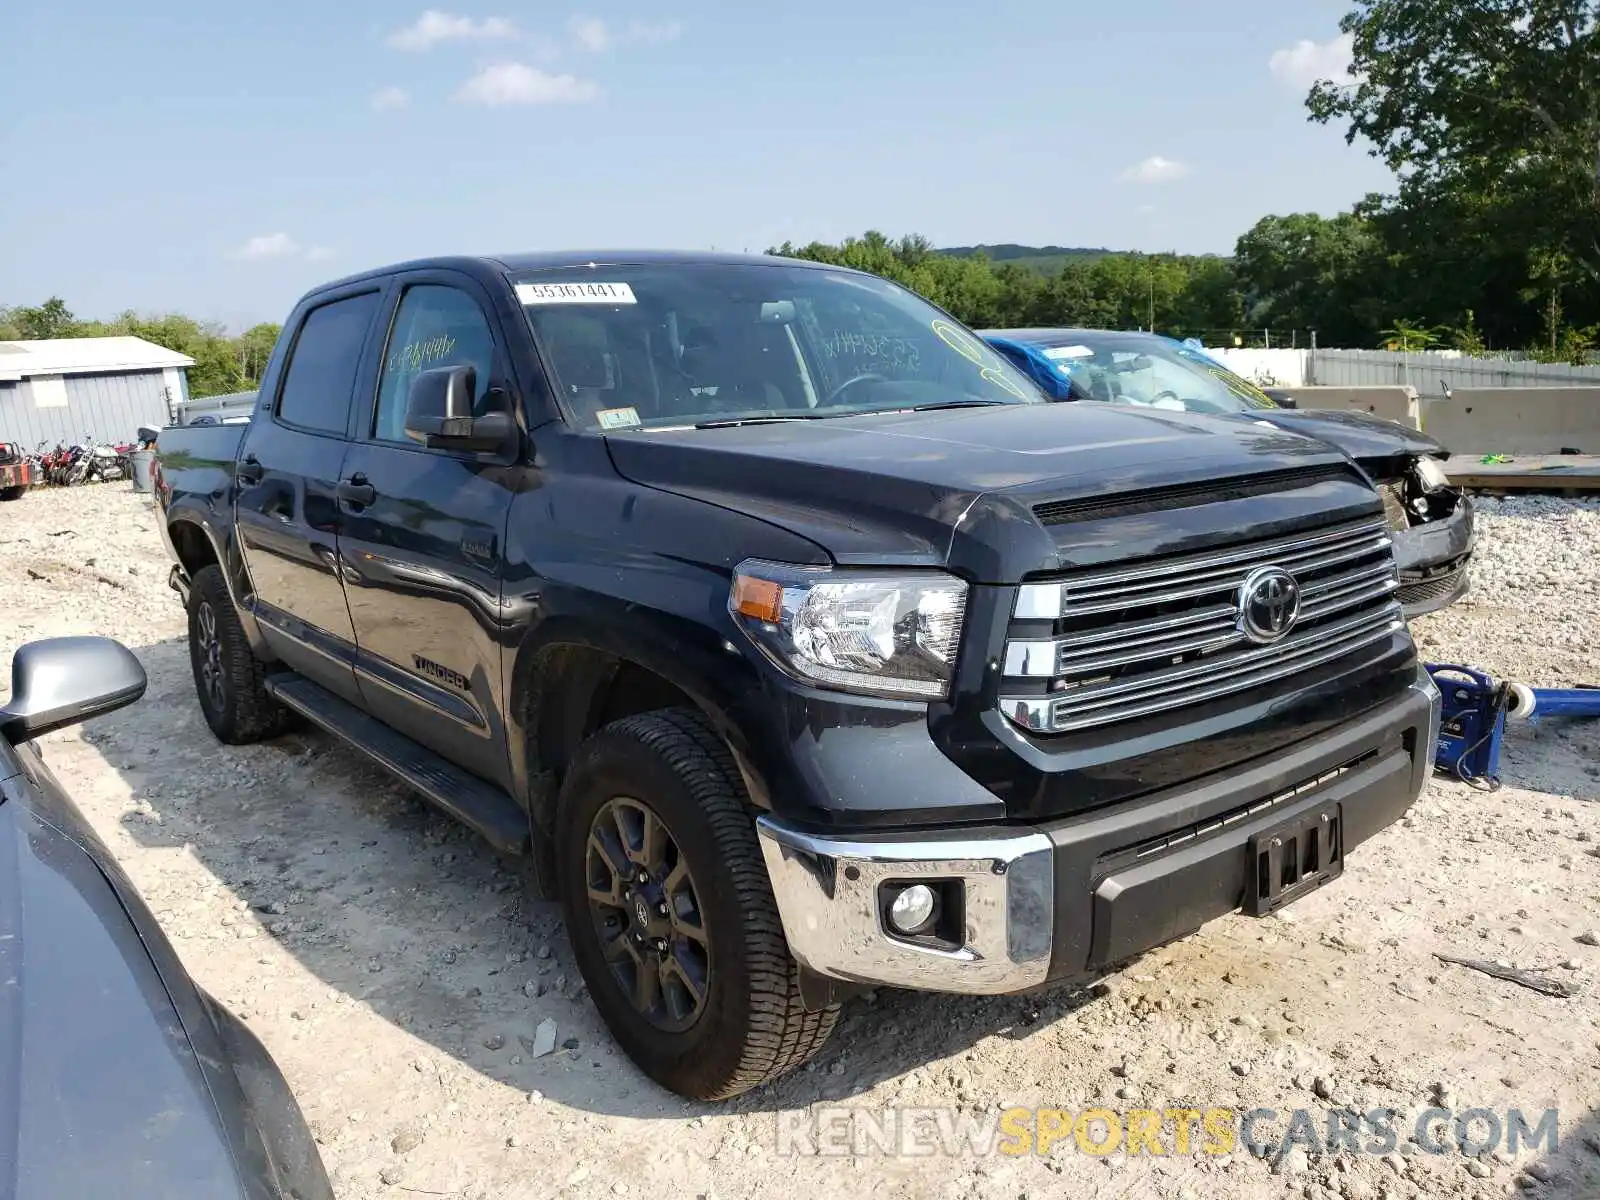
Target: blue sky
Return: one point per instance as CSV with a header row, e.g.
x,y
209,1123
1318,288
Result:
x,y
219,159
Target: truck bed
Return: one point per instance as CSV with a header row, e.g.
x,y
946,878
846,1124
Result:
x,y
196,462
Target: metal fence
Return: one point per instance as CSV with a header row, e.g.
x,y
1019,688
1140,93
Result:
x,y
1426,371
1429,371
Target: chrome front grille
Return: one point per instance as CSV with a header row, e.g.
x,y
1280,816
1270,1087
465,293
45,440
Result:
x,y
1104,646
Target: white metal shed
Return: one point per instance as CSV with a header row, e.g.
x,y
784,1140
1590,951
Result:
x,y
72,389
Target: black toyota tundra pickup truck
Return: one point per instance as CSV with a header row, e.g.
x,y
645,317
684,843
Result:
x,y
801,643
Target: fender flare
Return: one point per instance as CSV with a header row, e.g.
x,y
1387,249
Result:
x,y
236,576
554,694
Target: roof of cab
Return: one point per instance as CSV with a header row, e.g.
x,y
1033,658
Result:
x,y
548,260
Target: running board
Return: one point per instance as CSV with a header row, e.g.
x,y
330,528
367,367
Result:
x,y
468,799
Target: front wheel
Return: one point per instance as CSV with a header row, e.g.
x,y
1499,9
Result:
x,y
671,917
13,493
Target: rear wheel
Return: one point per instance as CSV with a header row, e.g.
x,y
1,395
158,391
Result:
x,y
228,679
669,910
13,493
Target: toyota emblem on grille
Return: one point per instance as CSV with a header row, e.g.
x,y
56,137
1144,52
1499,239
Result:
x,y
1269,601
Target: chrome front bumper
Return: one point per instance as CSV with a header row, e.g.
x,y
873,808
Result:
x,y
1036,905
827,891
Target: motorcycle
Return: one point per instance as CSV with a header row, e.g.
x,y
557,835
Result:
x,y
99,462
53,463
76,469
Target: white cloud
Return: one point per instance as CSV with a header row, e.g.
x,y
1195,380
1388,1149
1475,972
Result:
x,y
518,83
280,245
1155,169
390,97
591,33
433,27
1307,62
654,33
268,245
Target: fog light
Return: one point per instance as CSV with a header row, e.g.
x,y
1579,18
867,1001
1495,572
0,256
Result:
x,y
912,908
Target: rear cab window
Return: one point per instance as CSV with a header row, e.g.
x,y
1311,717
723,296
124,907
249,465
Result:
x,y
319,380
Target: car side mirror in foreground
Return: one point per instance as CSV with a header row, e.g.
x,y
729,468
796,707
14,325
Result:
x,y
61,681
439,413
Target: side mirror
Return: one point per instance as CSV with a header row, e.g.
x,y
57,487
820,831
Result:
x,y
439,413
61,681
1281,398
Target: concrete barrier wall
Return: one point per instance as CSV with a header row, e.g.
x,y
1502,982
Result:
x,y
1390,403
1544,420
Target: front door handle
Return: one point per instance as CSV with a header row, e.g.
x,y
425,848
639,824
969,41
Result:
x,y
356,491
249,470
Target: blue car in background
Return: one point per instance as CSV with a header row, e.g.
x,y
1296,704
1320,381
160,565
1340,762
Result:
x,y
1431,520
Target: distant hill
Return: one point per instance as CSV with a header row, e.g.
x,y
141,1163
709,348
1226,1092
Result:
x,y
1047,260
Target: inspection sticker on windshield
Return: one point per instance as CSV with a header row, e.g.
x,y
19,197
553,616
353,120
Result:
x,y
1068,352
617,418
575,293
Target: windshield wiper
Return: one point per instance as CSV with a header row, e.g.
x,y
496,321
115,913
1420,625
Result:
x,y
731,422
830,414
835,414
916,408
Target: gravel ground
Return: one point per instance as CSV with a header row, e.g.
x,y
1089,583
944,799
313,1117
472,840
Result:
x,y
398,970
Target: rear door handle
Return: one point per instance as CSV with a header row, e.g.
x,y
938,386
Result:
x,y
249,471
356,490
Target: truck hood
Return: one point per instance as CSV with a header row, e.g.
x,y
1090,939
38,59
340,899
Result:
x,y
1370,440
957,487
100,1090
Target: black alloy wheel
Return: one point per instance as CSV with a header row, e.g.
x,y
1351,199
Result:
x,y
208,657
670,911
646,914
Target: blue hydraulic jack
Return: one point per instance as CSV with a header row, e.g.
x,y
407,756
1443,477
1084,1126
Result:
x,y
1476,706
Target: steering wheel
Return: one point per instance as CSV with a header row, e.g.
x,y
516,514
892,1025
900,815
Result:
x,y
1169,394
864,377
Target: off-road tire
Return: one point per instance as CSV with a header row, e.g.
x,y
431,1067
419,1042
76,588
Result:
x,y
753,1027
245,712
14,493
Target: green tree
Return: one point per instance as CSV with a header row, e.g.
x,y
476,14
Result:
x,y
1469,338
254,346
1488,110
1174,293
1408,335
52,319
1304,271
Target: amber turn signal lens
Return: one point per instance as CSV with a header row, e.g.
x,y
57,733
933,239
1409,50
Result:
x,y
758,599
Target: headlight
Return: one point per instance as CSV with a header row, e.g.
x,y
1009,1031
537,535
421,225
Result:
x,y
1431,474
881,633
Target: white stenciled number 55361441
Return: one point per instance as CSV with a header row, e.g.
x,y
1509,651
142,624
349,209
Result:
x,y
575,293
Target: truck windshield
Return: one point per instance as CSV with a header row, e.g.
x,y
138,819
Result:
x,y
1146,370
690,344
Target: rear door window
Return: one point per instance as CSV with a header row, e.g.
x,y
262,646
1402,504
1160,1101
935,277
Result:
x,y
320,379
